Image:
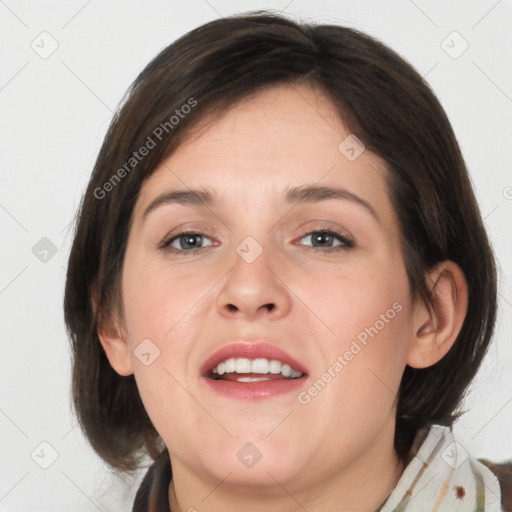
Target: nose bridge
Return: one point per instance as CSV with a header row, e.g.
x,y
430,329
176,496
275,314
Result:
x,y
251,264
251,229
252,284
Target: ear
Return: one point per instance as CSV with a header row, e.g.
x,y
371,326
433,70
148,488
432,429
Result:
x,y
114,341
436,330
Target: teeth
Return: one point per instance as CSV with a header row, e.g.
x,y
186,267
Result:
x,y
249,379
243,365
260,365
275,367
230,366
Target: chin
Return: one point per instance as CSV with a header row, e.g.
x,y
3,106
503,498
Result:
x,y
253,464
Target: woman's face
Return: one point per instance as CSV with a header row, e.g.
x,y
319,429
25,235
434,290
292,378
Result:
x,y
261,272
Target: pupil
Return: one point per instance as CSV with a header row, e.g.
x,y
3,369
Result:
x,y
188,238
319,237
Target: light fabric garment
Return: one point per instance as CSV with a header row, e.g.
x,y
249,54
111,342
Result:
x,y
443,477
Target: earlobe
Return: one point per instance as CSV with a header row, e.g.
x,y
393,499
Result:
x,y
116,347
435,330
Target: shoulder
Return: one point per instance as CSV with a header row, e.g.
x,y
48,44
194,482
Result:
x,y
503,472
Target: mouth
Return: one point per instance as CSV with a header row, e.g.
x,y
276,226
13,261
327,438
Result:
x,y
252,371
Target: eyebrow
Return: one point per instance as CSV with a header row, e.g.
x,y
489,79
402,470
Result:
x,y
203,197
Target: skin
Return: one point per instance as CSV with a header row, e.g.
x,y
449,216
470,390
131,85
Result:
x,y
335,452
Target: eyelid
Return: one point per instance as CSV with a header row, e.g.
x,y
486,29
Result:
x,y
317,225
199,228
347,241
165,244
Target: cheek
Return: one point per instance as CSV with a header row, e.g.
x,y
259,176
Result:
x,y
355,392
365,299
158,300
368,315
164,318
159,392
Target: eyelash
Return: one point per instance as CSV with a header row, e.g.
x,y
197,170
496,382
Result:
x,y
346,242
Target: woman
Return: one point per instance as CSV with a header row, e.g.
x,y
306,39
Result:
x,y
280,285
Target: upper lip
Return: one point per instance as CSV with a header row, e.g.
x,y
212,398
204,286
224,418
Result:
x,y
250,350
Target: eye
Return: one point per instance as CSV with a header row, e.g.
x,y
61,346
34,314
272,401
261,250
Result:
x,y
182,243
323,240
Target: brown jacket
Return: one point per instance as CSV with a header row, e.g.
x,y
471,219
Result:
x,y
152,495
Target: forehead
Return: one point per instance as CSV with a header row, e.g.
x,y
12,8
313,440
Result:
x,y
281,137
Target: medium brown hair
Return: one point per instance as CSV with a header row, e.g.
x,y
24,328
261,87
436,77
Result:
x,y
381,99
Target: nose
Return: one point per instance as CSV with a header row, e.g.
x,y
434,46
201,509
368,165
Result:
x,y
255,289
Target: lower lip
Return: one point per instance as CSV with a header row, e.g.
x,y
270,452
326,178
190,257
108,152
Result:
x,y
255,390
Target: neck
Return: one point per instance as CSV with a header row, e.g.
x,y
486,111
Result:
x,y
363,486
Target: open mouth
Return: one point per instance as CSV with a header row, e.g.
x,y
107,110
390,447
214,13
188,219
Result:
x,y
253,370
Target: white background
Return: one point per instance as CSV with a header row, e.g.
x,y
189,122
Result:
x,y
54,115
